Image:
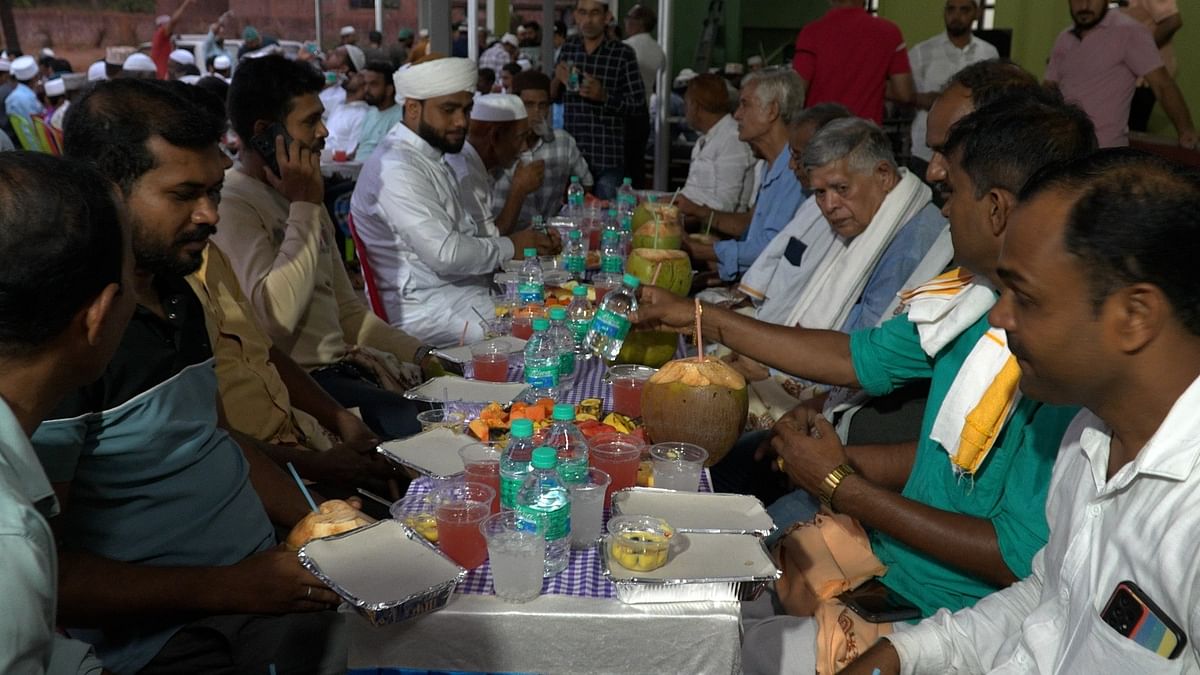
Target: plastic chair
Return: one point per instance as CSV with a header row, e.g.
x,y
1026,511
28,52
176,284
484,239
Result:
x,y
25,133
368,276
44,136
56,137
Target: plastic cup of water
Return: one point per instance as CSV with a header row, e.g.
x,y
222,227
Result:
x,y
482,465
677,466
489,361
516,547
459,510
442,418
587,509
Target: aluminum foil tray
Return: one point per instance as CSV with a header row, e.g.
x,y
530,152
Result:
x,y
386,571
448,388
432,453
701,568
706,512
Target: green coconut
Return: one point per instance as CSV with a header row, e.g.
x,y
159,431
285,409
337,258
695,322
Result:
x,y
674,268
701,402
651,219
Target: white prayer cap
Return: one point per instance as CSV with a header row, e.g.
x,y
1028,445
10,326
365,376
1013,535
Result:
x,y
73,81
424,32
734,69
440,77
357,56
97,71
754,60
190,79
162,20
46,51
139,63
24,68
183,56
55,87
5,65
510,39
498,108
221,63
686,75
347,30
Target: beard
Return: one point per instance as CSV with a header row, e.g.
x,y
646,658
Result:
x,y
1097,18
171,259
957,29
439,140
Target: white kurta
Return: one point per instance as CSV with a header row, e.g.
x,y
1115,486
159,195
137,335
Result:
x,y
430,265
345,126
722,172
475,187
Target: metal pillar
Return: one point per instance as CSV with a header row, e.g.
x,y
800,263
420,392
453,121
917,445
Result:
x,y
473,27
662,141
435,15
548,17
317,20
491,14
379,15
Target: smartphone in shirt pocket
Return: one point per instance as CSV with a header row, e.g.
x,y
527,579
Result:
x,y
1135,616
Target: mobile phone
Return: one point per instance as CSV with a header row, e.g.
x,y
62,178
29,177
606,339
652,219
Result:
x,y
264,145
879,604
1134,615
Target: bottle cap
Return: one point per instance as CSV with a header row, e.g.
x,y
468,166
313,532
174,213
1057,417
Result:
x,y
531,253
558,313
609,234
563,412
545,458
628,181
574,234
579,291
631,281
540,324
574,179
521,428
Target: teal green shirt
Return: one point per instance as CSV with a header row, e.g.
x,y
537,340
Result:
x,y
1009,489
375,126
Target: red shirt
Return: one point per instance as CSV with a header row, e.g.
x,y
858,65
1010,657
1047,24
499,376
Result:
x,y
847,57
160,51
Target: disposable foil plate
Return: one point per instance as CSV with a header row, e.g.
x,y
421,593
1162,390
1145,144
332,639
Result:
x,y
432,453
510,344
706,512
386,571
700,568
453,389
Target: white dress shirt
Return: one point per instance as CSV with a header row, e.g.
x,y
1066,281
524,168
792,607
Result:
x,y
650,59
722,173
345,126
934,62
1138,526
430,265
475,187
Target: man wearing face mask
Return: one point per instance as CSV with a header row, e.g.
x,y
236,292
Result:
x,y
554,149
494,141
431,264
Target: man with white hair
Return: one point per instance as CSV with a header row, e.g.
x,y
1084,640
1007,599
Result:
x,y
500,54
495,139
430,262
160,44
23,101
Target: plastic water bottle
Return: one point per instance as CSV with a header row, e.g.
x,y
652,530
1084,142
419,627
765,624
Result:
x,y
574,255
610,324
579,316
530,285
575,198
515,461
564,341
626,199
568,441
612,259
543,497
541,363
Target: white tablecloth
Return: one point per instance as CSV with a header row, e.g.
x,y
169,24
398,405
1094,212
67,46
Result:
x,y
556,634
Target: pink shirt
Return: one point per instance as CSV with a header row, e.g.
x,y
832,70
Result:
x,y
1099,72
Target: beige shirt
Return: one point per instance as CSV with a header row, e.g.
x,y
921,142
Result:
x,y
285,258
254,397
1149,13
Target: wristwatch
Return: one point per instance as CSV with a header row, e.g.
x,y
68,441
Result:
x,y
422,352
831,483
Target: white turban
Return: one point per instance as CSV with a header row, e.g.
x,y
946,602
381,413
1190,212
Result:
x,y
440,77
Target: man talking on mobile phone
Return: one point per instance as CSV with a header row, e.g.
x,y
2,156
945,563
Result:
x,y
1100,309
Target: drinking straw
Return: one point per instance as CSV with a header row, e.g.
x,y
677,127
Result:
x,y
657,269
374,497
708,227
303,489
674,196
479,314
699,338
462,339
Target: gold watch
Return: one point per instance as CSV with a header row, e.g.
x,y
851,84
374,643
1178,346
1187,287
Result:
x,y
832,481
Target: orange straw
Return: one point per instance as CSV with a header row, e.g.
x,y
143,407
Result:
x,y
462,339
699,338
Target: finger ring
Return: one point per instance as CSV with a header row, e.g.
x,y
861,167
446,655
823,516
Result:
x,y
308,592
779,463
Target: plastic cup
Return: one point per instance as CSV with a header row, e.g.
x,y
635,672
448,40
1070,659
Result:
x,y
618,455
339,155
677,466
489,361
459,510
522,322
497,327
441,418
417,512
482,464
517,549
627,382
587,508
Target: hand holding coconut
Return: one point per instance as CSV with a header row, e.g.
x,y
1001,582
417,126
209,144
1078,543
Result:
x,y
810,449
660,309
